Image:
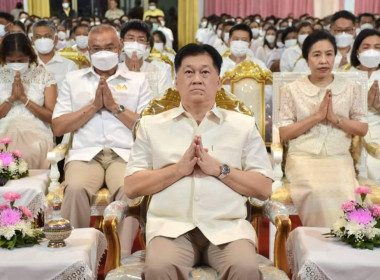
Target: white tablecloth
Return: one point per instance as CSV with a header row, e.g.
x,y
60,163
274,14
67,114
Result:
x,y
78,260
32,189
314,256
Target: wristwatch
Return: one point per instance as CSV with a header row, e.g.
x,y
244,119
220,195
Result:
x,y
119,110
224,171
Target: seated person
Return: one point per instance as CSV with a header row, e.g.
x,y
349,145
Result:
x,y
27,99
319,114
239,42
99,106
365,57
200,182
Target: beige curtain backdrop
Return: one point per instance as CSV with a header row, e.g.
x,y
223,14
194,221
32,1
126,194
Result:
x,y
188,19
39,8
324,8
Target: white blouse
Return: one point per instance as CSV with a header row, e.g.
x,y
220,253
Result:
x,y
301,99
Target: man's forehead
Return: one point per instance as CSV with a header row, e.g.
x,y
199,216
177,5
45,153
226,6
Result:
x,y
197,61
343,22
105,38
134,32
43,29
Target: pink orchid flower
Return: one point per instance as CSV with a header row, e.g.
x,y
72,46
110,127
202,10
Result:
x,y
6,141
363,190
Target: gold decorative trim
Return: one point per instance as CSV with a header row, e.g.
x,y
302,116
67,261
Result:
x,y
250,70
170,50
79,58
347,66
372,148
157,55
226,53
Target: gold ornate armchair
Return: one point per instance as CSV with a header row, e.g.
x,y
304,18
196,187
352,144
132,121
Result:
x,y
132,266
252,85
280,187
80,59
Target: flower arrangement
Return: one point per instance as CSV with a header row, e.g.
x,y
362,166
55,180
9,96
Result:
x,y
16,229
360,224
12,166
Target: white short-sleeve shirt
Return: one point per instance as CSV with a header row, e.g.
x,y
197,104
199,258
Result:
x,y
129,89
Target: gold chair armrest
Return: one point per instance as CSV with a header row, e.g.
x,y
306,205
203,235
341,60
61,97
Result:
x,y
373,149
58,153
113,214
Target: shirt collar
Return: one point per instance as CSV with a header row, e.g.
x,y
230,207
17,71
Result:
x,y
336,86
215,111
120,71
55,58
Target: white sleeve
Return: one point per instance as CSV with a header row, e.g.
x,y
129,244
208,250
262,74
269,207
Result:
x,y
63,105
145,95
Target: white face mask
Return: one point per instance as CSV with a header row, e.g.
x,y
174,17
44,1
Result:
x,y
219,33
30,35
104,60
344,40
255,32
146,53
262,33
203,24
44,45
82,41
366,26
270,38
131,47
23,20
18,66
162,23
369,58
290,43
226,36
279,44
65,5
159,46
239,48
61,35
152,7
301,38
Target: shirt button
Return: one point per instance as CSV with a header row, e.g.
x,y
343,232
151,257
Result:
x,y
196,198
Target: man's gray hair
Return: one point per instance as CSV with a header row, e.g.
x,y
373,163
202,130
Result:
x,y
101,28
44,22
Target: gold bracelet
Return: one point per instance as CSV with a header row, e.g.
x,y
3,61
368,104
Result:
x,y
339,121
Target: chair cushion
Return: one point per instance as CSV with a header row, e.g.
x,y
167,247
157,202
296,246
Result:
x,y
132,267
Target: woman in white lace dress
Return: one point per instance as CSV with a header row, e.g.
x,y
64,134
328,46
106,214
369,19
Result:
x,y
27,97
365,56
319,114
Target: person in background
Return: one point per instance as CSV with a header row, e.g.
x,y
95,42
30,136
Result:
x,y
366,21
365,57
28,94
113,12
257,41
159,42
81,39
225,36
16,11
61,34
6,21
292,55
17,26
342,27
153,11
44,41
167,31
66,11
137,11
269,44
319,114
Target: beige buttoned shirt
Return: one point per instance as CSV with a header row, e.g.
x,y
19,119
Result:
x,y
199,200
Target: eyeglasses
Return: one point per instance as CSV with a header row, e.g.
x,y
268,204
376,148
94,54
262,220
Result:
x,y
98,49
131,38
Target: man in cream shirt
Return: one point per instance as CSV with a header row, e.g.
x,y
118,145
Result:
x,y
200,182
99,106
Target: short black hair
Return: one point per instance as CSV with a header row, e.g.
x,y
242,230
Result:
x,y
243,27
7,17
135,24
342,14
19,24
303,24
366,15
78,26
194,50
17,42
358,41
314,37
286,31
161,35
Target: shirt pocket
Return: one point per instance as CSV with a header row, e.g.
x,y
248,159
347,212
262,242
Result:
x,y
227,155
